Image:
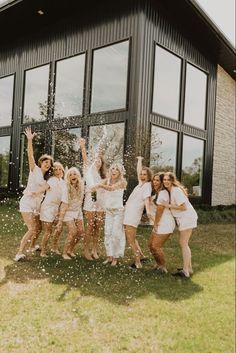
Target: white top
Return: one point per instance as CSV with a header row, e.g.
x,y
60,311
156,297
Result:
x,y
75,204
114,199
57,192
138,196
35,181
163,196
92,177
178,197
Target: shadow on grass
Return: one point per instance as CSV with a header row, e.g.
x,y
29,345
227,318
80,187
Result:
x,y
121,284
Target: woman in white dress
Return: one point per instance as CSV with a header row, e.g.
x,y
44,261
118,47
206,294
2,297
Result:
x,y
73,216
185,216
93,207
114,187
134,207
55,194
30,205
162,220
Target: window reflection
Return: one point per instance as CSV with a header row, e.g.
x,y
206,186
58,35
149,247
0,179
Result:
x,y
108,138
192,165
166,90
195,97
109,85
4,160
36,94
65,147
69,87
6,99
163,149
39,149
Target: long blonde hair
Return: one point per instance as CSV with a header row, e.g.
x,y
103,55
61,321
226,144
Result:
x,y
121,178
77,191
175,182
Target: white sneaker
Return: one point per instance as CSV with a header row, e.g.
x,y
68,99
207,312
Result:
x,y
19,257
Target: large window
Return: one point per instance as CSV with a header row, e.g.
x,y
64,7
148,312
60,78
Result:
x,y
4,160
65,147
163,149
36,94
109,139
6,99
69,87
166,90
39,149
109,81
192,163
195,97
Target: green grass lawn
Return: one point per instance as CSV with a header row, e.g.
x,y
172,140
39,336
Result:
x,y
56,306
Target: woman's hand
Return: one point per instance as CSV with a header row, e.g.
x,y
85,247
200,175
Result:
x,y
166,204
150,217
28,133
82,142
139,157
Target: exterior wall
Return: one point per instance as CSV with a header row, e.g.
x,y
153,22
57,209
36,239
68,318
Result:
x,y
223,190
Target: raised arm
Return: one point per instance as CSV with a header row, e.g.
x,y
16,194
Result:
x,y
139,167
82,143
28,133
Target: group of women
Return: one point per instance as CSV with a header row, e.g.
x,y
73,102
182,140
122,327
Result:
x,y
53,198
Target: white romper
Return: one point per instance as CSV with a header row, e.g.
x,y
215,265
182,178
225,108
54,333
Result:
x,y
135,204
29,203
74,210
167,223
53,198
185,219
114,239
92,177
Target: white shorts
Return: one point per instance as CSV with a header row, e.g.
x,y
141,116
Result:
x,y
30,204
48,213
90,205
73,215
186,223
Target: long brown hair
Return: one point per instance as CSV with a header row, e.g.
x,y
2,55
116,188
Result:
x,y
176,182
46,157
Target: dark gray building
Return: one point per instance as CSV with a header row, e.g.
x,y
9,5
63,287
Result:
x,y
155,78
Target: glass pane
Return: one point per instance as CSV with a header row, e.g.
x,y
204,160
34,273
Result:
x,y
163,149
4,160
195,97
69,87
6,99
109,86
36,94
192,165
39,149
65,147
110,138
166,90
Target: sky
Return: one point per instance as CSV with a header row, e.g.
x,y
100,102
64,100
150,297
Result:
x,y
221,12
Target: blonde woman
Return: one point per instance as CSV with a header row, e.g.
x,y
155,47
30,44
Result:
x,y
94,172
185,216
114,186
138,199
30,205
73,216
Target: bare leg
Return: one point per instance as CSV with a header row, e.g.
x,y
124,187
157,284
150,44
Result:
x,y
55,239
47,227
90,228
96,235
72,231
184,237
38,231
31,222
79,234
130,233
155,245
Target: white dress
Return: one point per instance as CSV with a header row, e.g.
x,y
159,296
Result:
x,y
185,219
114,231
74,211
29,203
92,177
53,198
135,204
167,223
